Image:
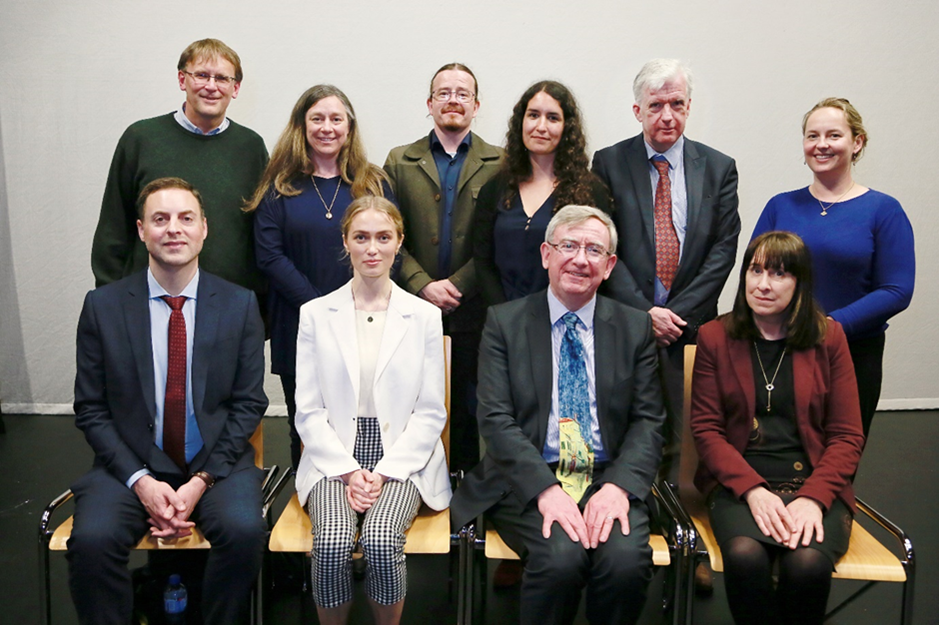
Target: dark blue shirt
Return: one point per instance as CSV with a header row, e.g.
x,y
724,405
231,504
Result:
x,y
448,170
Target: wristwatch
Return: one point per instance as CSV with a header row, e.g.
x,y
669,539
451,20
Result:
x,y
205,477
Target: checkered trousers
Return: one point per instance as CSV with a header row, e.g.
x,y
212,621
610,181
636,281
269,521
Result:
x,y
368,450
382,537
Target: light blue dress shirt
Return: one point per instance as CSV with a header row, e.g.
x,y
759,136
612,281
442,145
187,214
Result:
x,y
183,121
556,311
676,175
159,337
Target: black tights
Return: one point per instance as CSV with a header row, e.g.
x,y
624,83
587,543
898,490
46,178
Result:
x,y
800,596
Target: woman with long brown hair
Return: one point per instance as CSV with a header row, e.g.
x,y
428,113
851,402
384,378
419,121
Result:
x,y
318,167
545,169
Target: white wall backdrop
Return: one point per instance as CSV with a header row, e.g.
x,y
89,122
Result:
x,y
74,75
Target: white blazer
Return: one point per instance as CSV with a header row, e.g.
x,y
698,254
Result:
x,y
408,390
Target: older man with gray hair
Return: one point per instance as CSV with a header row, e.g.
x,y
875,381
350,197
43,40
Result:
x,y
676,207
571,411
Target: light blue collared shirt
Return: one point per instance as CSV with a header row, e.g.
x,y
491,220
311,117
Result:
x,y
676,176
556,310
183,121
159,337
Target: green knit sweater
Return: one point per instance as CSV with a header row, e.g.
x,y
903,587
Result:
x,y
225,168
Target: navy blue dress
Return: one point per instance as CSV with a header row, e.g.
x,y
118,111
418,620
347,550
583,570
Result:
x,y
507,243
301,253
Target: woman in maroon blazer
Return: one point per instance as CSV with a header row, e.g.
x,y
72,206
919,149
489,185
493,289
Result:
x,y
776,421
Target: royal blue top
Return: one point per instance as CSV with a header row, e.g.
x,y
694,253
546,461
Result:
x,y
301,253
862,255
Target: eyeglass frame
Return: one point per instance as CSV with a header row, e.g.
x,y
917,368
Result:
x,y
576,247
201,79
450,93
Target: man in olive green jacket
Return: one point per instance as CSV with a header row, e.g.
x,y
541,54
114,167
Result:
x,y
436,180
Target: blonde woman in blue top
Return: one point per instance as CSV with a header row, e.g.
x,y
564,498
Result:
x,y
860,239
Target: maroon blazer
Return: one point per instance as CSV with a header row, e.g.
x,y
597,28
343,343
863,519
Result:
x,y
827,413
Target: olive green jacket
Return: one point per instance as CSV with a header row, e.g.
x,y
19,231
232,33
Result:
x,y
416,185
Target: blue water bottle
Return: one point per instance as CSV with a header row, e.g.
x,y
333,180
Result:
x,y
174,601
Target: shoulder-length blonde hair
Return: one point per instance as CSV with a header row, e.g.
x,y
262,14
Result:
x,y
291,159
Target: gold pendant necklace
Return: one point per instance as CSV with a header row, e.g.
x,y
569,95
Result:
x,y
770,386
329,208
825,208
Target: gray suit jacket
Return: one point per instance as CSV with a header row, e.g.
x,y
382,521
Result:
x,y
114,387
416,185
710,246
514,392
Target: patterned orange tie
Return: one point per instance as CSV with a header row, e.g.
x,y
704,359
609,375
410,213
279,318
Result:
x,y
174,404
667,249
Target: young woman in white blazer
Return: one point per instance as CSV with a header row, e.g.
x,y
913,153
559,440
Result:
x,y
370,410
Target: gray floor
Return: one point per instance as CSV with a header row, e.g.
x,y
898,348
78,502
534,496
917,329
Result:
x,y
39,456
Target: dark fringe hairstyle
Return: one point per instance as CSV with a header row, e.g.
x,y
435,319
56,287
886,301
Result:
x,y
780,250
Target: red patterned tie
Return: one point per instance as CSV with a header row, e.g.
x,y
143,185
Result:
x,y
174,405
667,250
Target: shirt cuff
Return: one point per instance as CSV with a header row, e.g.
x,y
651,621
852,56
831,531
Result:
x,y
136,476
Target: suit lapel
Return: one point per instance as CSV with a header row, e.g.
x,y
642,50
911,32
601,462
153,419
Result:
x,y
137,321
694,186
207,322
638,165
396,327
538,333
342,324
421,153
471,165
604,340
803,369
741,361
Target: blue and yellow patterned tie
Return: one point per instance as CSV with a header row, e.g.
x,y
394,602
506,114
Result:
x,y
575,448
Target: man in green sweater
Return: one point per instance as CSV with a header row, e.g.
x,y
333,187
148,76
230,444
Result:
x,y
199,144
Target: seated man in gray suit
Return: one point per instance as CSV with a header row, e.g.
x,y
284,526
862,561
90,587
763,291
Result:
x,y
168,391
571,411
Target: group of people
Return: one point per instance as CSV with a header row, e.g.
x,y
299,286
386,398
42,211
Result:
x,y
361,270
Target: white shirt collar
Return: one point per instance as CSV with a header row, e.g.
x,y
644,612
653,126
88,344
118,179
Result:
x,y
556,309
672,155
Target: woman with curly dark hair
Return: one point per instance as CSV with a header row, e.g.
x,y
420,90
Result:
x,y
545,169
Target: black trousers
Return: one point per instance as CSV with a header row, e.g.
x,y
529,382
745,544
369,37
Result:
x,y
616,574
464,432
289,384
110,520
868,357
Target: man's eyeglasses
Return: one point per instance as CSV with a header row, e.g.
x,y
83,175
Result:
x,y
569,249
462,97
201,79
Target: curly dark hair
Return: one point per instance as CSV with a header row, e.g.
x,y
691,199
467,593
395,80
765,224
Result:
x,y
570,160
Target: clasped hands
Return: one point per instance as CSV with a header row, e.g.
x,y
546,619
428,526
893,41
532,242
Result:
x,y
442,294
363,488
788,525
594,525
666,325
169,509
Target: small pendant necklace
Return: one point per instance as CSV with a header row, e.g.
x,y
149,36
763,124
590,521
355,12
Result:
x,y
770,386
825,208
371,318
329,207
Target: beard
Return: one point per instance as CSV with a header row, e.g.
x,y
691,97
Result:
x,y
454,124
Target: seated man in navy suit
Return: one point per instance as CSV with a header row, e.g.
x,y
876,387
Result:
x,y
168,391
571,411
